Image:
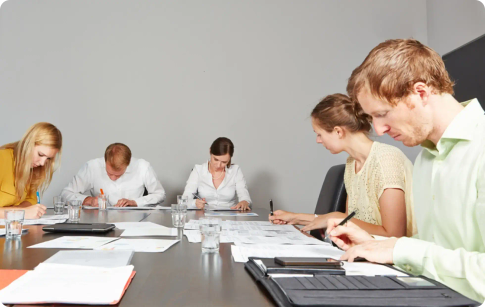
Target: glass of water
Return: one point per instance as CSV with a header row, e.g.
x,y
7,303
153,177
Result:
x,y
103,201
58,205
182,200
14,219
210,231
179,214
74,209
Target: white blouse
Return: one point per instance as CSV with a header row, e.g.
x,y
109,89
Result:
x,y
200,181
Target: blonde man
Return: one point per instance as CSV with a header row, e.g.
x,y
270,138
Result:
x,y
122,177
404,86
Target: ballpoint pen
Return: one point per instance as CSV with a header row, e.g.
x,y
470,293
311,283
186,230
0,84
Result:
x,y
38,197
345,220
271,206
198,197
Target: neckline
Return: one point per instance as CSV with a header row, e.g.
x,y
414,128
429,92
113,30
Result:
x,y
365,163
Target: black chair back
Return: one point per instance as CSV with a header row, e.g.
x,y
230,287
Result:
x,y
333,195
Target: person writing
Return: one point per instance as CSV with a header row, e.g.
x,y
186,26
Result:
x,y
26,167
218,182
122,177
378,177
404,85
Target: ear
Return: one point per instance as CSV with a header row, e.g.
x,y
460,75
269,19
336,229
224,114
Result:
x,y
423,90
339,131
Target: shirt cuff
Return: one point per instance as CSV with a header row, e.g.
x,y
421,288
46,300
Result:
x,y
409,254
140,202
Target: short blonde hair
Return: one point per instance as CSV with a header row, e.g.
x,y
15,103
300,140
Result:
x,y
394,66
118,155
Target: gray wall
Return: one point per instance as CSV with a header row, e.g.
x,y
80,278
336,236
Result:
x,y
168,77
452,23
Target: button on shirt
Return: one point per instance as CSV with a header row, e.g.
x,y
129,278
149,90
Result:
x,y
226,195
449,204
131,185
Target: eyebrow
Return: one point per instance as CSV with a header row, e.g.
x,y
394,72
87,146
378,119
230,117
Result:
x,y
220,160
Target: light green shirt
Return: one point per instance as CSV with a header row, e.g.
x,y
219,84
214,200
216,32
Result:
x,y
449,205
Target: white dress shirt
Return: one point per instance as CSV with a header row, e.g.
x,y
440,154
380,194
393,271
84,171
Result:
x,y
226,195
131,185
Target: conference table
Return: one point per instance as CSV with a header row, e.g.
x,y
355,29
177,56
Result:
x,y
180,276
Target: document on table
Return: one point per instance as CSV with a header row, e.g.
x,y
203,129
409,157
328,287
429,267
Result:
x,y
131,225
246,225
211,213
131,208
44,220
370,269
193,236
278,240
62,283
139,245
241,253
160,207
77,242
147,232
97,258
219,208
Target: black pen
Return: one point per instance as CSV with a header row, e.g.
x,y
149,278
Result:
x,y
271,206
345,220
198,197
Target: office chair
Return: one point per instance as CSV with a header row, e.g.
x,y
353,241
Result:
x,y
333,195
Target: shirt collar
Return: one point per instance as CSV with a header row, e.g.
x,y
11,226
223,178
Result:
x,y
461,127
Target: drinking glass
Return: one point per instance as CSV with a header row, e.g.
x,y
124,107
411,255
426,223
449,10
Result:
x,y
182,200
14,219
103,201
210,231
74,209
59,204
179,214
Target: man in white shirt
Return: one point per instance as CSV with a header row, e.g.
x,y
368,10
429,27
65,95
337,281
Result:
x,y
404,86
122,178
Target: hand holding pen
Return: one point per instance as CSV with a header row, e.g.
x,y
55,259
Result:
x,y
200,202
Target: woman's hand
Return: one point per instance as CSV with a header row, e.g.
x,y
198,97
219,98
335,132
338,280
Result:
x,y
281,217
35,211
243,206
320,222
200,203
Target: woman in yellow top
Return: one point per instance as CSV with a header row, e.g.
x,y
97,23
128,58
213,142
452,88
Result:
x,y
26,167
378,177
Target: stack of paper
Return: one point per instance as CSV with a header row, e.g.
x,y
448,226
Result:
x,y
145,229
77,242
139,245
97,258
241,253
61,283
44,220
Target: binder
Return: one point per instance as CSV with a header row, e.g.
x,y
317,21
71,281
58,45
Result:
x,y
342,290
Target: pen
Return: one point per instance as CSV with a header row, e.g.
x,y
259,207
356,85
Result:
x,y
271,206
345,220
38,197
198,197
102,193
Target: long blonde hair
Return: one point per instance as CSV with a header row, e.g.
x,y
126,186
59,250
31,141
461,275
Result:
x,y
38,178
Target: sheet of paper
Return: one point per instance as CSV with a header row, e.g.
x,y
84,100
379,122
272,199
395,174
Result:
x,y
61,283
212,213
241,253
160,207
193,236
131,208
369,269
77,242
55,217
219,208
97,258
139,245
148,232
279,240
131,225
44,220
90,208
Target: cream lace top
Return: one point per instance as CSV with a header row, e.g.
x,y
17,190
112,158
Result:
x,y
385,167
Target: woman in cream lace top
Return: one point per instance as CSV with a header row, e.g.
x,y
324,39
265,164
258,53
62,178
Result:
x,y
378,177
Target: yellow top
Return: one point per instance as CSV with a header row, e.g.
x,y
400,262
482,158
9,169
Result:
x,y
7,182
386,167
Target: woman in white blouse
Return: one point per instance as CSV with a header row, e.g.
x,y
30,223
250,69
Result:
x,y
217,182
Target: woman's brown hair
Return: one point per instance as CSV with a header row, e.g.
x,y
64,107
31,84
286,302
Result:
x,y
339,110
222,146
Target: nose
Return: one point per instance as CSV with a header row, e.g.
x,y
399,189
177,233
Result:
x,y
380,127
319,140
42,161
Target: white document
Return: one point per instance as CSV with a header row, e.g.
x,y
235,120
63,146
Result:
x,y
194,236
44,220
294,240
90,208
131,208
139,245
220,213
369,269
104,259
61,283
76,242
131,225
241,253
219,208
147,232
55,217
160,207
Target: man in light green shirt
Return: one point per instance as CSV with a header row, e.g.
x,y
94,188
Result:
x,y
404,86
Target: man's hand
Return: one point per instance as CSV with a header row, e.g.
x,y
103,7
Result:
x,y
281,217
126,203
35,211
90,201
380,251
200,203
244,206
348,235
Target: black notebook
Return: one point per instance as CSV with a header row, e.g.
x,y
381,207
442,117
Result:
x,y
79,227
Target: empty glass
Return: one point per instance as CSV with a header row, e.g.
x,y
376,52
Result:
x,y
58,205
103,201
210,231
179,214
14,219
74,209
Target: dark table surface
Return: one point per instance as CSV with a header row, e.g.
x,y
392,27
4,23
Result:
x,y
180,276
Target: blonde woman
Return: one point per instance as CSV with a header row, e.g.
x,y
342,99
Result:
x,y
26,167
378,177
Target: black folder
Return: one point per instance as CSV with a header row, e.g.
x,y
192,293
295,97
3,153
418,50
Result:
x,y
79,227
342,290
